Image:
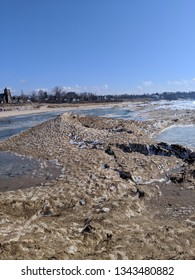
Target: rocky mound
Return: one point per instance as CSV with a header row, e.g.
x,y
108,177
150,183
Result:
x,y
117,197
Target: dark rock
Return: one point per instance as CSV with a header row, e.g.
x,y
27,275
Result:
x,y
180,151
160,149
139,148
193,173
124,175
177,177
118,130
109,236
124,148
87,221
110,152
191,158
87,226
105,165
88,229
141,194
122,130
47,211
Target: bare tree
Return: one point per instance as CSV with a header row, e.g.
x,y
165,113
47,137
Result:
x,y
33,96
57,91
41,95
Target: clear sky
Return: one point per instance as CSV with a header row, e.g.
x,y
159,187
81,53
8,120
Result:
x,y
104,46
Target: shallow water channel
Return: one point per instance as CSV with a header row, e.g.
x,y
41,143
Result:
x,y
12,125
18,172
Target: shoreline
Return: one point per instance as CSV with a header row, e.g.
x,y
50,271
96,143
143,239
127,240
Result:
x,y
19,111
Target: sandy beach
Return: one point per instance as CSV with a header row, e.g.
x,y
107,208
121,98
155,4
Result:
x,y
18,111
33,109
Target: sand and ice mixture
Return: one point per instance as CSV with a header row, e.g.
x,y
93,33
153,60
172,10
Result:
x,y
116,193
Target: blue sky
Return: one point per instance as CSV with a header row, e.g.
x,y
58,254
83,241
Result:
x,y
103,46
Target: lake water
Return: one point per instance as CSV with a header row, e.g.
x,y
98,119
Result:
x,y
184,135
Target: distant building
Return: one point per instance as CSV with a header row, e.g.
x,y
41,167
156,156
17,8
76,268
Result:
x,y
6,96
2,98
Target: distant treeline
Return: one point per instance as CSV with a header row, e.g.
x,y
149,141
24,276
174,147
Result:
x,y
59,95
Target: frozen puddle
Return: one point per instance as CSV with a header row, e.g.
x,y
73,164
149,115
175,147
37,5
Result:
x,y
18,172
184,135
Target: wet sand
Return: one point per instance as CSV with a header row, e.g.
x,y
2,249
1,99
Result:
x,y
122,195
19,172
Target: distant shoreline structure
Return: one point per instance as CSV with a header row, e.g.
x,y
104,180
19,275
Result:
x,y
6,96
